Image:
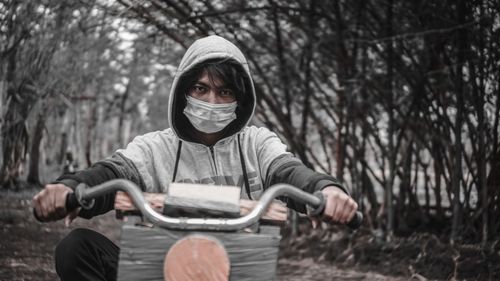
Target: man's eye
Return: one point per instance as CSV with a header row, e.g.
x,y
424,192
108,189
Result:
x,y
226,92
199,89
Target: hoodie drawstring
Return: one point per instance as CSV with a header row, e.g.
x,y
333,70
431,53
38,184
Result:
x,y
178,155
244,168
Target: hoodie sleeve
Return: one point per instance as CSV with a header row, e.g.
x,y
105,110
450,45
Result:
x,y
115,167
288,169
282,167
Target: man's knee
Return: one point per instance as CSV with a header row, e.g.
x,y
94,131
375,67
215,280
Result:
x,y
71,248
86,255
73,243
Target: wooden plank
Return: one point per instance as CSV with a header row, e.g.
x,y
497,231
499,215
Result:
x,y
194,200
277,212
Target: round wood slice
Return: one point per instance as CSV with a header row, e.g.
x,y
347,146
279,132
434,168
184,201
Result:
x,y
196,258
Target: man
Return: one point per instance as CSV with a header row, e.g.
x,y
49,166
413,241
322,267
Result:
x,y
211,102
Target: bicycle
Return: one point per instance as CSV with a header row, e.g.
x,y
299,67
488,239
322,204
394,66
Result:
x,y
160,247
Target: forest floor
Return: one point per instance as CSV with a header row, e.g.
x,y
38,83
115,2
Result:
x,y
27,247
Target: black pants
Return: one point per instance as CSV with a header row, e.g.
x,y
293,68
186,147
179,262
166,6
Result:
x,y
86,255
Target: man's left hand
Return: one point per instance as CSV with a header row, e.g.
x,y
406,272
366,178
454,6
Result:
x,y
339,207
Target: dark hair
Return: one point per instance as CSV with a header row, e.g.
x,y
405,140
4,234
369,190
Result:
x,y
228,70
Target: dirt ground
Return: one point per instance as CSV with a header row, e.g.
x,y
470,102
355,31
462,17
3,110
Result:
x,y
26,251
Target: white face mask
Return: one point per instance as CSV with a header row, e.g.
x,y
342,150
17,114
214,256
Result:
x,y
209,117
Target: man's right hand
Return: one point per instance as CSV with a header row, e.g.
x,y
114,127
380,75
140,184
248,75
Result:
x,y
50,203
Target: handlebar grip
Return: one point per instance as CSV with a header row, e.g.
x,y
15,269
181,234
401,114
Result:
x,y
71,202
354,223
36,216
76,199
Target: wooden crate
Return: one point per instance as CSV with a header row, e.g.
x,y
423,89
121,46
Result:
x,y
253,256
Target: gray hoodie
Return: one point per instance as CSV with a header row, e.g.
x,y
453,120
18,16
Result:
x,y
250,157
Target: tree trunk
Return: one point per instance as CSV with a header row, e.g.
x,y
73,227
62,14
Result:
x,y
282,63
121,117
427,192
493,179
90,133
369,190
493,184
63,149
391,126
15,142
481,159
402,209
457,148
14,132
307,80
33,175
438,171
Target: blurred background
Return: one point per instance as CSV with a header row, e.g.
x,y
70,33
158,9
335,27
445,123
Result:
x,y
398,99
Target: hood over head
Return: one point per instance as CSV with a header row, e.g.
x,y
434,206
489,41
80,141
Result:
x,y
211,49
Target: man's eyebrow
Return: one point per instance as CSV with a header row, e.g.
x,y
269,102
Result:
x,y
204,84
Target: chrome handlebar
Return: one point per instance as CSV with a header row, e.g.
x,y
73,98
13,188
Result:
x,y
84,196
